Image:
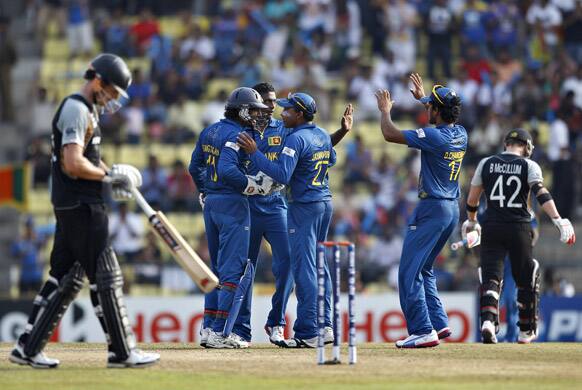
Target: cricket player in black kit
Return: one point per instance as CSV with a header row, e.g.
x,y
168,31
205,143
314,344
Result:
x,y
507,179
80,244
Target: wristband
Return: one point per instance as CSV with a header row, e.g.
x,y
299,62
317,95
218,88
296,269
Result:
x,y
472,209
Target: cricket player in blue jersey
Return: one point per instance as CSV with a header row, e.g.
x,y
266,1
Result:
x,y
437,213
218,169
269,220
302,165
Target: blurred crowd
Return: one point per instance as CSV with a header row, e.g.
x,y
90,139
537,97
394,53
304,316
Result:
x,y
514,63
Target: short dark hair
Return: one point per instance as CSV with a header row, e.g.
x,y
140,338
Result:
x,y
232,114
264,88
451,113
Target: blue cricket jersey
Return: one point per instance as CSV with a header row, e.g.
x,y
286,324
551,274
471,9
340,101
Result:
x,y
270,143
442,151
302,164
218,164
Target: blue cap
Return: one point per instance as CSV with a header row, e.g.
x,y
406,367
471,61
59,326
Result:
x,y
441,96
300,101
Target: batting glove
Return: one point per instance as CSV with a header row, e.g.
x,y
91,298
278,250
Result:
x,y
124,175
468,226
567,234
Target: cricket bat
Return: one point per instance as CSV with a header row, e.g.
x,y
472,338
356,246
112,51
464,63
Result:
x,y
181,250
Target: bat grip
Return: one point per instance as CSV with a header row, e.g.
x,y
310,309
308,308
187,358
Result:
x,y
147,209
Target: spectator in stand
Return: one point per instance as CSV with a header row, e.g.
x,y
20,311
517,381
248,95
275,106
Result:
x,y
563,167
407,104
473,25
182,192
195,75
41,109
181,117
126,232
384,174
140,87
384,255
225,29
574,83
198,42
8,58
214,109
358,162
115,34
154,183
172,88
134,121
27,250
50,10
508,69
467,89
402,22
347,38
149,262
544,21
361,89
38,154
143,31
476,66
389,69
79,29
528,97
375,17
573,32
572,117
485,137
439,26
503,22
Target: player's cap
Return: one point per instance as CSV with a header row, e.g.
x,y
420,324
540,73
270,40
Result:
x,y
441,96
300,101
522,136
112,70
519,135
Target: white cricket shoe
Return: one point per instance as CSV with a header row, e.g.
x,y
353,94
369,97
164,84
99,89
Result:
x,y
204,333
488,333
40,360
237,341
444,333
216,341
328,335
276,334
137,358
526,337
300,343
419,341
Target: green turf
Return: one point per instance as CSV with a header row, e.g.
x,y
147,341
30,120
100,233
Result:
x,y
380,366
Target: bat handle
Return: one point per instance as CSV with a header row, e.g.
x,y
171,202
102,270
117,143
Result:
x,y
147,209
456,245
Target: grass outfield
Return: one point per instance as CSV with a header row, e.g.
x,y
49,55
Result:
x,y
185,366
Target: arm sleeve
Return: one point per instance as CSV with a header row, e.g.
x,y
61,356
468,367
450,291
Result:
x,y
73,123
282,169
228,169
197,166
478,177
428,139
534,173
333,158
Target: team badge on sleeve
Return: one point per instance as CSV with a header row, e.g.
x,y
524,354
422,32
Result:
x,y
232,145
288,151
420,133
274,141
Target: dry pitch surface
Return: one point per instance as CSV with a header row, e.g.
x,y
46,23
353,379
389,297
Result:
x,y
186,366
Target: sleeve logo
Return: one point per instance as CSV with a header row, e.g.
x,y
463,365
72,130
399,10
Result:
x,y
420,133
232,145
288,151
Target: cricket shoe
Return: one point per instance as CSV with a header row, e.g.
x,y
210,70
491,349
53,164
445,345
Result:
x,y
40,360
204,333
526,337
300,343
238,341
137,359
444,333
233,341
419,341
276,334
328,335
488,333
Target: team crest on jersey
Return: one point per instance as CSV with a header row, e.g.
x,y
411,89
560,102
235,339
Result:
x,y
274,141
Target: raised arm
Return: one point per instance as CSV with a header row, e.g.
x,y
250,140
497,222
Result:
x,y
347,122
389,130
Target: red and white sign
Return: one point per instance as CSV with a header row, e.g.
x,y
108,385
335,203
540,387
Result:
x,y
178,319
